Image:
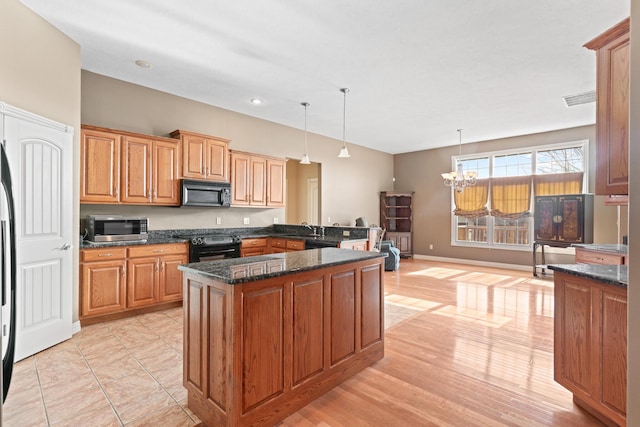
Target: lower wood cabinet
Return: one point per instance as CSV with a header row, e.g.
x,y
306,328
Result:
x,y
590,344
252,247
120,279
586,256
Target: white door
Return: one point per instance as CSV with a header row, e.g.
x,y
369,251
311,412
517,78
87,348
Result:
x,y
40,157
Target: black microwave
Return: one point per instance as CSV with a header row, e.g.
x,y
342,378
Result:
x,y
205,193
116,228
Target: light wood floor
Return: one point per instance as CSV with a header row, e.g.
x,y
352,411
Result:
x,y
464,346
477,351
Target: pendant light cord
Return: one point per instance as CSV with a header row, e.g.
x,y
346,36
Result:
x,y
344,116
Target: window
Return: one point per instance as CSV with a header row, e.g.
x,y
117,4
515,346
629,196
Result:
x,y
497,212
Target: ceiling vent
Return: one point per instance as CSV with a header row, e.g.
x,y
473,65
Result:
x,y
581,98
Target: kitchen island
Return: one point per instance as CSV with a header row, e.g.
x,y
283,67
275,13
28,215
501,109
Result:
x,y
266,335
590,337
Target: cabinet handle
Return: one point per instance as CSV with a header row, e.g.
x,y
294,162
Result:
x,y
116,190
158,250
162,269
150,194
157,266
155,194
124,269
105,254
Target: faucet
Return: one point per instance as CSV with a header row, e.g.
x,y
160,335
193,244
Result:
x,y
322,230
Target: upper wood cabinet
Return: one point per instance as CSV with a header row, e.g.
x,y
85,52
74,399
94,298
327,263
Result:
x,y
99,166
124,167
150,171
257,180
203,156
612,116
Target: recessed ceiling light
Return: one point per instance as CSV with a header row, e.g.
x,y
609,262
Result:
x,y
143,64
256,101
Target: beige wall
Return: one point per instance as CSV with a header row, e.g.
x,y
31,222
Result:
x,y
40,73
420,172
349,186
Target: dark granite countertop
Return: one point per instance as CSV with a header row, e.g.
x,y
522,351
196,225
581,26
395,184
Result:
x,y
150,241
609,274
603,247
242,270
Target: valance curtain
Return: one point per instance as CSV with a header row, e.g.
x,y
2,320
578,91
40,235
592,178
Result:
x,y
472,202
511,197
558,183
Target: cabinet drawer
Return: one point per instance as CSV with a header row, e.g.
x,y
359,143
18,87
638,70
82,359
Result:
x,y
297,245
253,243
103,254
278,243
590,257
155,250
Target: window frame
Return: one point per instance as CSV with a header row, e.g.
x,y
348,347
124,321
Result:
x,y
489,244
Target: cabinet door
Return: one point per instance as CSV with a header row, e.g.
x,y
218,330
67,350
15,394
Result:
x,y
239,179
258,181
612,116
276,181
545,218
136,170
102,287
576,352
570,219
194,157
217,155
166,182
100,167
613,392
142,281
171,277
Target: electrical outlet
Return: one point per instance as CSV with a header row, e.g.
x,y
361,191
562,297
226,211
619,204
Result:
x,y
245,221
218,220
275,220
329,220
430,247
346,233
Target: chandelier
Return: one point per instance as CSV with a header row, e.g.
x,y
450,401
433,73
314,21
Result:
x,y
459,179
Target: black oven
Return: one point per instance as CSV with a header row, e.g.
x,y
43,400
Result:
x,y
207,248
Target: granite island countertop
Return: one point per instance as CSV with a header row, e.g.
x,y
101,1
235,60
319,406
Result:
x,y
610,274
235,271
602,247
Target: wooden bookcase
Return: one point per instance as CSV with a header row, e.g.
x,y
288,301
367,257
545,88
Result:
x,y
396,217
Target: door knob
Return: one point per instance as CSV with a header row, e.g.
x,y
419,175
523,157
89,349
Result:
x,y
65,247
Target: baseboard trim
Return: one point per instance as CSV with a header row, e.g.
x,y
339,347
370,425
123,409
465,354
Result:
x,y
75,327
518,267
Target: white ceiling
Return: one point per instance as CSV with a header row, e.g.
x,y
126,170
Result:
x,y
417,69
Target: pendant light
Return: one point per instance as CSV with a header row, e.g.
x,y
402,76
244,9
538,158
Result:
x,y
344,152
459,179
305,158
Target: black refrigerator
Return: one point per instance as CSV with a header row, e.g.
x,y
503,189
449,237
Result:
x,y
8,272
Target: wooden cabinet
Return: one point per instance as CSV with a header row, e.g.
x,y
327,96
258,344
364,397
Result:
x,y
257,351
128,168
99,166
102,284
119,279
396,217
252,247
590,344
204,156
587,256
561,220
257,180
150,171
612,109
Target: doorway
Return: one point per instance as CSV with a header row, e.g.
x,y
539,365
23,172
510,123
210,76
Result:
x,y
304,189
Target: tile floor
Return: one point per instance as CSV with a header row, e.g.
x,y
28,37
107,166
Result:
x,y
122,373
125,372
